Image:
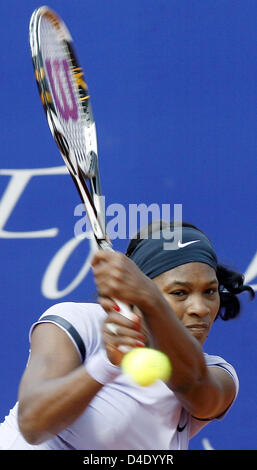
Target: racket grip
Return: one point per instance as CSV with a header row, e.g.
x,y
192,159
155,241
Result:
x,y
124,308
126,312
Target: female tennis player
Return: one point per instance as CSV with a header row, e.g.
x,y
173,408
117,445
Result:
x,y
73,394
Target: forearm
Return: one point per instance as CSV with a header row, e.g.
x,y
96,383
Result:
x,y
170,336
51,405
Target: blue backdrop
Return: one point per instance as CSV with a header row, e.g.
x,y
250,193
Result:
x,y
174,91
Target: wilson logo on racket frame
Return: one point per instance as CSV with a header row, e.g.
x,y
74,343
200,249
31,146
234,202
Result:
x,y
63,107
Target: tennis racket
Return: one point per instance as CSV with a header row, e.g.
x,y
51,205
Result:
x,y
66,101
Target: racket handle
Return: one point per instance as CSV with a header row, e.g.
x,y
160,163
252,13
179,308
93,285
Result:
x,y
126,312
124,308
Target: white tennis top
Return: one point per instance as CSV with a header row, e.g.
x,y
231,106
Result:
x,y
123,415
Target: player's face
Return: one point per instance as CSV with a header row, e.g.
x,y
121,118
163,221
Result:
x,y
192,292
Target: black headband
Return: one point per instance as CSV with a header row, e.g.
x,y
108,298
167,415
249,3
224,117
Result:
x,y
158,254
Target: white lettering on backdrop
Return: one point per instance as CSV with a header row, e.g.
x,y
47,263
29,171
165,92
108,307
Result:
x,y
19,180
12,194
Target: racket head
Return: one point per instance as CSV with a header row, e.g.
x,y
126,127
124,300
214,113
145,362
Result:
x,y
63,90
65,98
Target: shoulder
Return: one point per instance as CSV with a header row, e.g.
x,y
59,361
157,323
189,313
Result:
x,y
197,424
217,361
82,322
74,311
220,362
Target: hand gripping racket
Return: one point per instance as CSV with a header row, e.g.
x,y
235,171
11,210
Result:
x,y
66,101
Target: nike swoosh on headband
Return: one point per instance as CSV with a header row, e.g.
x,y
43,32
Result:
x,y
182,245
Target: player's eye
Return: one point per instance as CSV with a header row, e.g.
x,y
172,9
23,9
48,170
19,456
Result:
x,y
178,293
211,291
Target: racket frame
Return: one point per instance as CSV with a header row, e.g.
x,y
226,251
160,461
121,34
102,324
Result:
x,y
90,194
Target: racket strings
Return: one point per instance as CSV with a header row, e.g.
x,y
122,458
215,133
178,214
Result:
x,y
68,93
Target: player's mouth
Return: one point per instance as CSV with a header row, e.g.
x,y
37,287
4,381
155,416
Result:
x,y
198,329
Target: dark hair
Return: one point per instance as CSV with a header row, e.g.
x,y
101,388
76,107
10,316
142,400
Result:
x,y
231,283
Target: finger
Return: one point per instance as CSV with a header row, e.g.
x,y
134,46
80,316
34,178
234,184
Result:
x,y
120,331
102,257
107,304
111,328
116,341
111,269
121,320
107,288
99,256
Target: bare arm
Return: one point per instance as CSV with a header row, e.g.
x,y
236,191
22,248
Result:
x,y
55,388
204,392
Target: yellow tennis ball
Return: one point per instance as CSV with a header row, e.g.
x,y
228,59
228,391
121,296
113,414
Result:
x,y
146,365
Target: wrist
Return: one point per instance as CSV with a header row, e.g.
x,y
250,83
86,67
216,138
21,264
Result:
x,y
101,368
